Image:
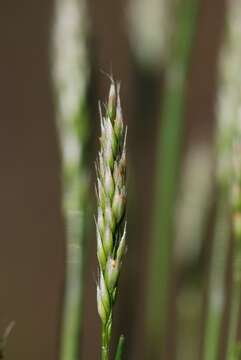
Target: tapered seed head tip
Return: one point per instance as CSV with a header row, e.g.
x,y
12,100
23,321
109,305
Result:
x,y
112,101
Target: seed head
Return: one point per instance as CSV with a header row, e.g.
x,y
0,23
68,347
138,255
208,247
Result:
x,y
111,197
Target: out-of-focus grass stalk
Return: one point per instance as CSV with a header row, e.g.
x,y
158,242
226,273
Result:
x,y
120,348
234,347
216,290
150,22
168,160
229,177
70,74
229,140
192,211
4,338
222,230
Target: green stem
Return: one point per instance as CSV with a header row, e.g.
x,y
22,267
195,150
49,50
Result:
x,y
235,305
120,348
75,210
105,346
104,353
70,67
217,279
73,297
168,162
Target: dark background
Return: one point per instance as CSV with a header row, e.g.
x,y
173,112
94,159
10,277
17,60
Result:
x,y
32,233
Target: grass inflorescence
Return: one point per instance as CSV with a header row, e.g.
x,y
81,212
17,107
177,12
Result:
x,y
111,198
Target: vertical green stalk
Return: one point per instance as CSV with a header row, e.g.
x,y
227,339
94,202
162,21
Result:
x,y
168,161
234,348
70,74
229,139
192,213
4,338
120,348
216,294
222,230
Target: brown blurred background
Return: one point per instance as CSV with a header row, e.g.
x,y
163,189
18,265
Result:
x,y
32,232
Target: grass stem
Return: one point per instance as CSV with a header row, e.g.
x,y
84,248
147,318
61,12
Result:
x,y
216,294
168,162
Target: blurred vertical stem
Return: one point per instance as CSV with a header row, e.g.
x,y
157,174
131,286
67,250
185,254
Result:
x,y
216,291
229,153
70,75
168,161
234,346
4,338
192,213
120,348
222,230
231,90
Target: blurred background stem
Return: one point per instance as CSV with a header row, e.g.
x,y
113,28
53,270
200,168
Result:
x,y
229,136
193,212
70,74
120,348
168,162
218,267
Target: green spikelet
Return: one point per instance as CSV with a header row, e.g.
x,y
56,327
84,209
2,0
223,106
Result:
x,y
111,198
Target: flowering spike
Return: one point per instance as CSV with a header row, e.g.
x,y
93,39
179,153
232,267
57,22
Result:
x,y
111,197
